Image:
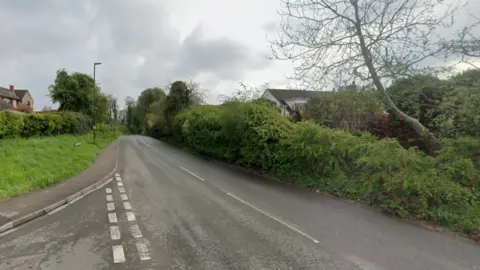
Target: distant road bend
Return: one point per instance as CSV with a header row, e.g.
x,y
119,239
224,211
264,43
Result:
x,y
167,209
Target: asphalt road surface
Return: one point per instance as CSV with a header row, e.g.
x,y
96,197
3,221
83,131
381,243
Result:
x,y
168,209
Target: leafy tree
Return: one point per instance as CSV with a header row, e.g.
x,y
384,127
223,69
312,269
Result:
x,y
376,41
346,109
75,93
460,112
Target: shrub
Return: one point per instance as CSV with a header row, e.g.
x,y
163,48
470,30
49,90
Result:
x,y
27,125
404,182
385,125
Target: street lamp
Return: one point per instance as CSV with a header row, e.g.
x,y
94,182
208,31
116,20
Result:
x,y
94,102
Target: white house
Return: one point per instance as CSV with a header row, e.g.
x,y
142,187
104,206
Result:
x,y
289,99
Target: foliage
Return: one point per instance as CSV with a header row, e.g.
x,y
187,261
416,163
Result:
x,y
28,125
348,109
385,125
53,159
374,41
75,92
460,112
419,96
380,172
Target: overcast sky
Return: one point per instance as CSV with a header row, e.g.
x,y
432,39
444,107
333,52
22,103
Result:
x,y
141,43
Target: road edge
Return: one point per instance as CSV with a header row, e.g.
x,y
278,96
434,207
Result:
x,y
71,199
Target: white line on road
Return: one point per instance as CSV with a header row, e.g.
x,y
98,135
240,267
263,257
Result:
x,y
117,175
124,197
108,190
274,218
143,251
192,173
118,254
127,206
130,216
114,232
112,217
109,198
121,189
118,178
136,231
120,184
110,206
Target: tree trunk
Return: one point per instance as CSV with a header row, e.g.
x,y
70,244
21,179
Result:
x,y
431,142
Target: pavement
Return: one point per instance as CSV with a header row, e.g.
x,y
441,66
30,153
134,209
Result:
x,y
168,209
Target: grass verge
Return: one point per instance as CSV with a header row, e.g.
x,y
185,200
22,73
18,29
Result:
x,y
33,163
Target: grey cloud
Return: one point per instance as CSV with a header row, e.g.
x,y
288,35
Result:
x,y
222,56
137,44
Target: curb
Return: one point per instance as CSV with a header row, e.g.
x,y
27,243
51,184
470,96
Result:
x,y
62,203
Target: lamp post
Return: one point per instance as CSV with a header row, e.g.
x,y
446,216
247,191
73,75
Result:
x,y
94,102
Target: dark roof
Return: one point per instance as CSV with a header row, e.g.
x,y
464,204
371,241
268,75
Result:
x,y
4,92
4,105
21,92
281,94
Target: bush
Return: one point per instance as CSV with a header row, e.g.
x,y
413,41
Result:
x,y
404,182
28,125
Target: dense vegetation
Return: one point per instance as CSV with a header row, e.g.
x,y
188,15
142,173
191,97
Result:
x,y
332,148
28,125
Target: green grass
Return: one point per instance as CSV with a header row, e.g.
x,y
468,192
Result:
x,y
33,163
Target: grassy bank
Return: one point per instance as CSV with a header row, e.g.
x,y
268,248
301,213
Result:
x,y
28,164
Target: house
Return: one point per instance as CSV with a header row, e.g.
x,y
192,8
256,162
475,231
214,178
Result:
x,y
290,100
12,98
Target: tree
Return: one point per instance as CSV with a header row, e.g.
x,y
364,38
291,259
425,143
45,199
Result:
x,y
75,92
130,115
244,94
376,41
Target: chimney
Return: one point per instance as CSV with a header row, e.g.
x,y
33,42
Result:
x,y
12,88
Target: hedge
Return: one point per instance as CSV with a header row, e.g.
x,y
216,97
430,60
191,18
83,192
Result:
x,y
404,182
28,125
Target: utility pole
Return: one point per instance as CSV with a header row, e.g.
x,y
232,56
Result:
x,y
95,102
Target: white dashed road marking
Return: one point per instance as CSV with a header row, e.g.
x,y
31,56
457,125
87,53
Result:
x,y
118,254
136,231
192,173
130,216
143,251
110,206
127,206
112,217
114,232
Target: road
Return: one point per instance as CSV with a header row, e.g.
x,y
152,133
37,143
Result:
x,y
172,210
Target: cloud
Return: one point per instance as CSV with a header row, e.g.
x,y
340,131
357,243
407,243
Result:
x,y
138,42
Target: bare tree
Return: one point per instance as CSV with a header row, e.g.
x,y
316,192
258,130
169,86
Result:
x,y
244,93
335,42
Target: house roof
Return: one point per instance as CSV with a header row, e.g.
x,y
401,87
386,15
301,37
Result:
x,y
4,92
282,94
21,92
